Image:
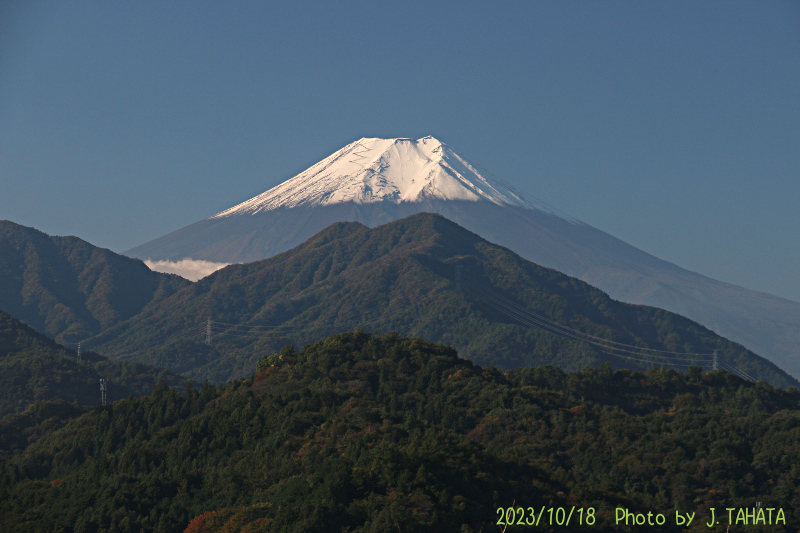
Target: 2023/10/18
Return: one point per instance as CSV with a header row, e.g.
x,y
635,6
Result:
x,y
558,516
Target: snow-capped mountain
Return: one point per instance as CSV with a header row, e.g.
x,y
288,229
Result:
x,y
374,181
383,170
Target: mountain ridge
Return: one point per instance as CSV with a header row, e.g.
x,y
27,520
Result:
x,y
70,289
401,276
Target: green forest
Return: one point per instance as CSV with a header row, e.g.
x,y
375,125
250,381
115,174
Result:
x,y
385,432
69,289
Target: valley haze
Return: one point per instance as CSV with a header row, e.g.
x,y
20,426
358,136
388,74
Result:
x,y
191,269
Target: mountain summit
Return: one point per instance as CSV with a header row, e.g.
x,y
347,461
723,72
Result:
x,y
376,181
372,170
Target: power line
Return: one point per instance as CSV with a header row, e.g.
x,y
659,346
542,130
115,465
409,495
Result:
x,y
535,316
376,312
531,319
161,341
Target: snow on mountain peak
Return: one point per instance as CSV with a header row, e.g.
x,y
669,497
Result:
x,y
383,170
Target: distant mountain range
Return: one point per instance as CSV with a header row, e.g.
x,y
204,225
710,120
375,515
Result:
x,y
423,275
374,181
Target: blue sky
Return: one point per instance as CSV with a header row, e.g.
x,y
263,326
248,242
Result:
x,y
673,126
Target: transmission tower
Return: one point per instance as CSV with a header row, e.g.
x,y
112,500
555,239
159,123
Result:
x,y
458,278
715,367
208,332
79,352
103,387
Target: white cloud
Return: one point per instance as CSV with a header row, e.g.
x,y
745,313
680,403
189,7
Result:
x,y
191,269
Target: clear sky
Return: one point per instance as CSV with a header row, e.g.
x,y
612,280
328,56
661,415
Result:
x,y
673,126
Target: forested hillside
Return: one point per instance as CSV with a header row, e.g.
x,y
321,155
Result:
x,y
362,432
426,276
69,289
33,368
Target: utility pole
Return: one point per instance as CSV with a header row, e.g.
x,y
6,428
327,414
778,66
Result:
x,y
208,331
103,386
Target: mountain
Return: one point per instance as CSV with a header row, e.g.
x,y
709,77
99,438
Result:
x,y
350,184
34,368
423,275
69,289
383,170
375,433
374,181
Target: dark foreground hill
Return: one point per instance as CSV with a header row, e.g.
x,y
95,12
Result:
x,y
34,368
423,275
386,433
68,289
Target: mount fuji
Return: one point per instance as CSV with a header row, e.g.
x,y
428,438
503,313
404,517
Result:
x,y
382,170
375,181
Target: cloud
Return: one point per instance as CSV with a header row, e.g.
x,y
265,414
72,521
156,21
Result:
x,y
191,269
